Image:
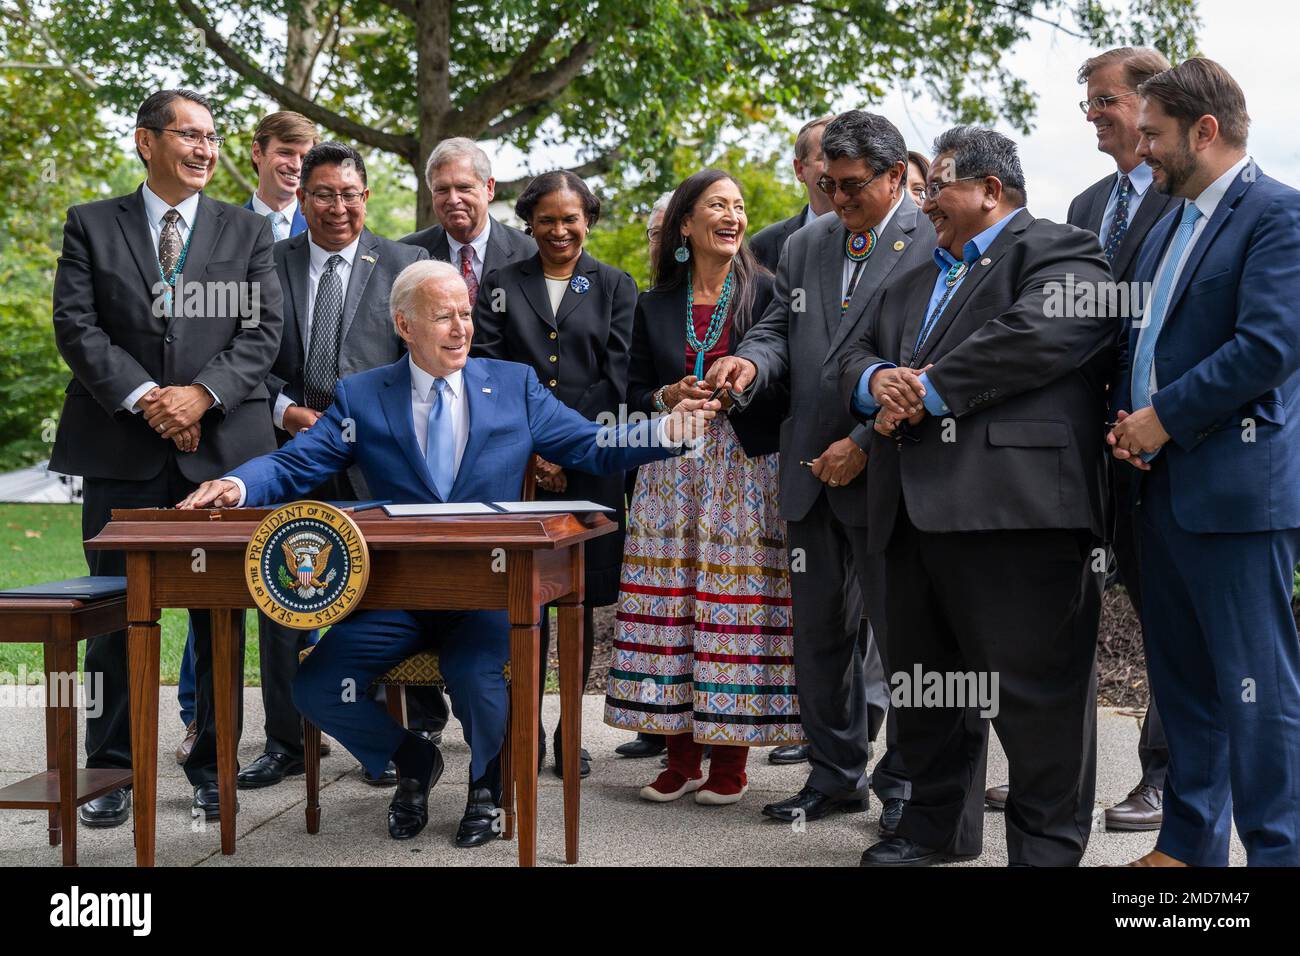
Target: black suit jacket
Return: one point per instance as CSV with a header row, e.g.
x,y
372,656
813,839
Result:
x,y
801,338
579,352
107,331
1089,208
659,358
369,339
770,240
506,244
1023,445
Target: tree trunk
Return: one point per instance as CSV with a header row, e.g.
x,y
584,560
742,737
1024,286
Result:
x,y
299,56
433,60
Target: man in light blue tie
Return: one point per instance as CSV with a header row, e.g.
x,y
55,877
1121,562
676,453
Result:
x,y
1206,413
434,426
280,142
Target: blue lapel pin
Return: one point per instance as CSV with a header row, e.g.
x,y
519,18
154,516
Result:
x,y
580,284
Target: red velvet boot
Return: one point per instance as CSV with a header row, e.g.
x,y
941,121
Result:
x,y
683,774
727,782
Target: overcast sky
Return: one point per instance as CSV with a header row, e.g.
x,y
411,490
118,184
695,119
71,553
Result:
x,y
1251,38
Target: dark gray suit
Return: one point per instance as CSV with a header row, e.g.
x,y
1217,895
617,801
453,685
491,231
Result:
x,y
770,240
987,521
368,340
843,691
506,244
1087,211
113,342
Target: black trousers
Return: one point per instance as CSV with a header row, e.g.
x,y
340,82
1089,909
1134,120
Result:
x,y
840,664
588,648
1001,604
108,736
1153,751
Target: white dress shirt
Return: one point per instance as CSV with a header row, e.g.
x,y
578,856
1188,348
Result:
x,y
262,209
1207,202
154,210
479,243
318,261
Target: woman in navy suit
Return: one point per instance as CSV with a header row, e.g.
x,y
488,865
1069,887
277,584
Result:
x,y
570,318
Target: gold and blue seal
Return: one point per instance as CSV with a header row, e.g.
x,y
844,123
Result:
x,y
307,565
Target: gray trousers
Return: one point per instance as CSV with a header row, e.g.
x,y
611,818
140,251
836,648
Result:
x,y
841,675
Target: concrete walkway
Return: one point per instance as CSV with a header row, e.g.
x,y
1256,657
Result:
x,y
617,827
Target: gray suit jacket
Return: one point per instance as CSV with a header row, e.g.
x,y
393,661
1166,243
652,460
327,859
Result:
x,y
506,244
1023,447
770,240
113,341
1089,208
805,347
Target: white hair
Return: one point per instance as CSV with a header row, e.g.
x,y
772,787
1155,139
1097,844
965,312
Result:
x,y
450,149
661,204
402,296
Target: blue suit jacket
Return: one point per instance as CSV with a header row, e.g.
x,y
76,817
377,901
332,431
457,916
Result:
x,y
511,415
299,223
1228,361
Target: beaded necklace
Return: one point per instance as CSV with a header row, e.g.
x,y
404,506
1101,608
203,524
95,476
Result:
x,y
716,322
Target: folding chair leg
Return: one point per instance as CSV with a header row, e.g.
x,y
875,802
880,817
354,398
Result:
x,y
311,761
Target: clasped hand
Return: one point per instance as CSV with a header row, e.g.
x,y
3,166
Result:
x,y
1135,434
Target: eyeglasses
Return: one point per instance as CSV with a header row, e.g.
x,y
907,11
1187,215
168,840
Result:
x,y
932,189
850,187
192,137
654,234
1099,103
351,198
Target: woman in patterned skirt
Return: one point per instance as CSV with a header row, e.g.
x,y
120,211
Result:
x,y
702,648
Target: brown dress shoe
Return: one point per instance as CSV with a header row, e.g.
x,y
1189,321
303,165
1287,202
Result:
x,y
995,798
1141,810
1156,858
187,744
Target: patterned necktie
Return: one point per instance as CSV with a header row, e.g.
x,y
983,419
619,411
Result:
x,y
169,244
467,272
326,325
1144,357
440,448
1118,225
278,224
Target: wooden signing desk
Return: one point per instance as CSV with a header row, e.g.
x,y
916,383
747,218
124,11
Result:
x,y
511,562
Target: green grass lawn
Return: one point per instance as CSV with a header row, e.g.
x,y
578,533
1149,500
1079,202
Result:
x,y
43,543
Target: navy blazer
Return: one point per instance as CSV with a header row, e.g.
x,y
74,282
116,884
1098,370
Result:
x,y
511,416
1228,361
296,227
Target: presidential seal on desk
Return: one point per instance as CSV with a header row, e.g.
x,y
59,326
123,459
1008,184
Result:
x,y
307,565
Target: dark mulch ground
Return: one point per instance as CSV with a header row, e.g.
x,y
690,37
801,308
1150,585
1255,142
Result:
x,y
1121,666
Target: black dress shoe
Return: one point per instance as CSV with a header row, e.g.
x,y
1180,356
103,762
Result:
x,y
111,810
584,759
268,770
480,823
890,814
795,753
433,736
1142,809
386,779
900,851
811,804
207,797
408,811
645,745
995,798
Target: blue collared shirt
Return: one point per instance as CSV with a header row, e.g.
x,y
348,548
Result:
x,y
943,259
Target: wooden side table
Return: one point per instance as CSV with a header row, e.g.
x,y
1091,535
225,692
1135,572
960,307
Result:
x,y
60,623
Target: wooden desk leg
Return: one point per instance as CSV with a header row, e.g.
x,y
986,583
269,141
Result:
x,y
225,684
143,646
51,732
524,648
570,653
60,680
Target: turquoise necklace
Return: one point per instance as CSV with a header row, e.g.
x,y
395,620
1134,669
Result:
x,y
716,322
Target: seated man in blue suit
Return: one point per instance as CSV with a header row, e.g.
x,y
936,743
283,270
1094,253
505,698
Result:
x,y
1208,413
434,426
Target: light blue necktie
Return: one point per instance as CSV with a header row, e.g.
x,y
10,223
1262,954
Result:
x,y
440,445
1146,344
278,224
